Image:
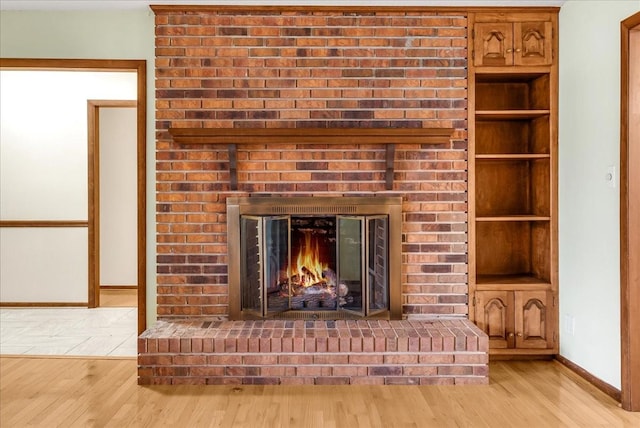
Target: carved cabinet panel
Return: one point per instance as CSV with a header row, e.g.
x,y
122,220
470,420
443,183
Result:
x,y
533,319
494,315
493,43
533,43
498,44
516,319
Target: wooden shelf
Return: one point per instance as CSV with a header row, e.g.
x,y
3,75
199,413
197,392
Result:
x,y
495,281
311,135
516,156
389,137
500,76
519,217
510,114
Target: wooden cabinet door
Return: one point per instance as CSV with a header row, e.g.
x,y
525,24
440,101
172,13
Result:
x,y
533,43
494,315
533,319
498,44
493,44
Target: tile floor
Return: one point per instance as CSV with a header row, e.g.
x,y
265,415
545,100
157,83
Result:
x,y
69,331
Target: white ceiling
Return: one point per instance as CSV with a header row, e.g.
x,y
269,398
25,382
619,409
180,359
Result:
x,y
143,4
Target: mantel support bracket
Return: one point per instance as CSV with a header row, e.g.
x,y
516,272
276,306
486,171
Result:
x,y
391,154
233,166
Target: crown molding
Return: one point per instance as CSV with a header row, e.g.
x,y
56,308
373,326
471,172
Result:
x,y
144,5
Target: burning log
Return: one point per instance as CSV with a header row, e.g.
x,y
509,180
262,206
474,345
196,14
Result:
x,y
308,276
298,285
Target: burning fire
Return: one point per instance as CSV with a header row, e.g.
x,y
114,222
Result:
x,y
308,265
311,281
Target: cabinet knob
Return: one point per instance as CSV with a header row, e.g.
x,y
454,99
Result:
x,y
509,50
510,334
519,334
518,50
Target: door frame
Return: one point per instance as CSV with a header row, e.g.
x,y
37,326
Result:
x,y
93,128
629,225
140,68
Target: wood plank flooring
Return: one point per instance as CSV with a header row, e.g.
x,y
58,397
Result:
x,y
118,298
78,392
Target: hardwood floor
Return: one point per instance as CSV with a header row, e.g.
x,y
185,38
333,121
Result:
x,y
118,298
103,392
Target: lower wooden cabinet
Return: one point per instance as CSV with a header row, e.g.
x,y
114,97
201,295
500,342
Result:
x,y
517,320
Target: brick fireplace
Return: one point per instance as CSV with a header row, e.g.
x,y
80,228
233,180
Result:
x,y
308,68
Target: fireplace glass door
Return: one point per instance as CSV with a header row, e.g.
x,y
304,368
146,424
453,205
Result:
x,y
250,264
309,265
377,269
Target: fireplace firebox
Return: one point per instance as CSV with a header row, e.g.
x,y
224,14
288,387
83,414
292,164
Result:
x,y
314,257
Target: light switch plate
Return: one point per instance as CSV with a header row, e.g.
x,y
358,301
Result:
x,y
569,323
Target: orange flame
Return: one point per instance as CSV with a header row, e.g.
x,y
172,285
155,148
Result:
x,y
308,264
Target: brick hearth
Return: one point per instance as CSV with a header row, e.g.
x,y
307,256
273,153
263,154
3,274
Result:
x,y
443,352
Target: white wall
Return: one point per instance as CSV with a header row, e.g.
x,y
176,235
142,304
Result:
x,y
118,196
43,139
43,176
43,265
589,139
93,35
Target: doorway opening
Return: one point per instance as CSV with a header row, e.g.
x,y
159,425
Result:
x,y
112,169
61,223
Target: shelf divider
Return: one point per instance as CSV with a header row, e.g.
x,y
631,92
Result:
x,y
515,156
518,217
510,114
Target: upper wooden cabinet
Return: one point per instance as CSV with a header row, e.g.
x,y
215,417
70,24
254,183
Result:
x,y
519,43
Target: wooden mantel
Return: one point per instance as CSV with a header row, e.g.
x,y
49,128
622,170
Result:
x,y
389,137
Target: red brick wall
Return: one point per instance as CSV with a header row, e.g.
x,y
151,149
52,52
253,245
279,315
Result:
x,y
309,69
